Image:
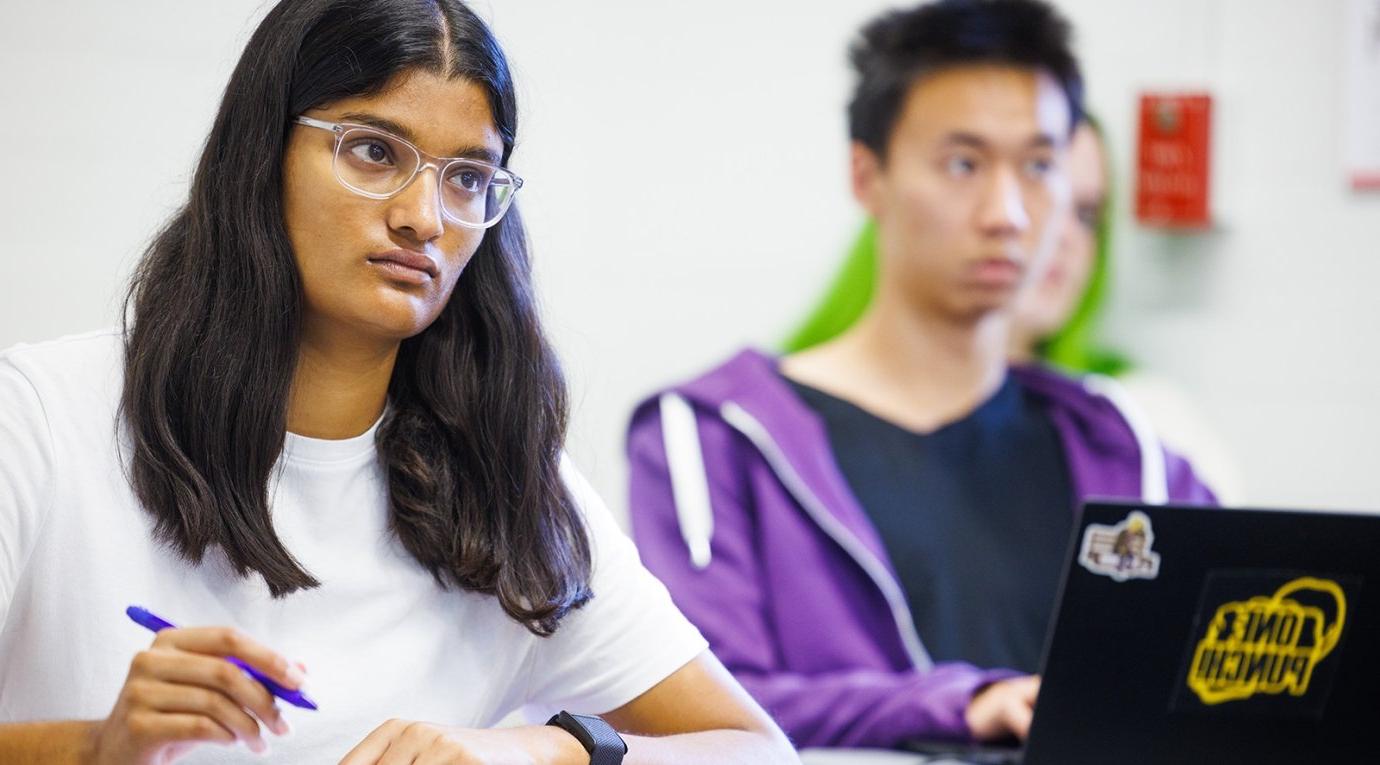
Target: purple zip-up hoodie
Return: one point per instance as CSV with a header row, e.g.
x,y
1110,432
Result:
x,y
739,506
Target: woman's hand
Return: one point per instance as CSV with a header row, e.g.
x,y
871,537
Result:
x,y
181,692
398,742
1003,709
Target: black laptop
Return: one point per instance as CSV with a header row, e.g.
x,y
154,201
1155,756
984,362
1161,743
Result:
x,y
1197,635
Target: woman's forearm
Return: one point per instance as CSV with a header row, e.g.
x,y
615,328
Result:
x,y
719,747
68,742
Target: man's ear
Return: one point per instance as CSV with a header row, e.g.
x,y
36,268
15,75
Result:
x,y
867,176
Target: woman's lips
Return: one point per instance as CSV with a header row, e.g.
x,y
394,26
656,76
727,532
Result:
x,y
406,265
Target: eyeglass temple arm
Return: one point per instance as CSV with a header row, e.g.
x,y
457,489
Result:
x,y
334,127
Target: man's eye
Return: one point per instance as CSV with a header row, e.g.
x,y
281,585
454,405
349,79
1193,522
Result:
x,y
960,166
1038,167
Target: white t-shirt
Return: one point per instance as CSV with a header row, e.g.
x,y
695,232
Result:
x,y
379,638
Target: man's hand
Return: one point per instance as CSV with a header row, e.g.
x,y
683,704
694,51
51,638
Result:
x,y
1003,709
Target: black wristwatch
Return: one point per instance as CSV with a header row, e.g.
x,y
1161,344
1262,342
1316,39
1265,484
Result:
x,y
603,743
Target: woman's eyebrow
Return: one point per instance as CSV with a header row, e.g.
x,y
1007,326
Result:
x,y
383,123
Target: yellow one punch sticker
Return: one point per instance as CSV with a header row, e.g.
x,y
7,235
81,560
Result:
x,y
1269,645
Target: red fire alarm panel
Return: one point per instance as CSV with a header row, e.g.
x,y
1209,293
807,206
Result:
x,y
1173,160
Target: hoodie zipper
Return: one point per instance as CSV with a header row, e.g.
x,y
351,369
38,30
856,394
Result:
x,y
748,425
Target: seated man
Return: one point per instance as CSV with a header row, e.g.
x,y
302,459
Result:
x,y
871,532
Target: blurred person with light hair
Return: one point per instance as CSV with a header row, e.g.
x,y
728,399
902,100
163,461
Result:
x,y
1057,320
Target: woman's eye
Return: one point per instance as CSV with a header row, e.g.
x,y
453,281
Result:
x,y
1088,215
371,152
471,181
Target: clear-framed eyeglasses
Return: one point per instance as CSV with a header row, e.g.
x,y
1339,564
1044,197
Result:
x,y
375,163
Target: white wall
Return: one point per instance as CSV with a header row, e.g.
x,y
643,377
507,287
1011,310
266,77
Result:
x,y
687,194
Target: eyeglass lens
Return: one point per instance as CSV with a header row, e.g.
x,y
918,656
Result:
x,y
378,164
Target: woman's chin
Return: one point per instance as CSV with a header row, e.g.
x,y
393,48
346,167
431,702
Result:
x,y
389,323
401,315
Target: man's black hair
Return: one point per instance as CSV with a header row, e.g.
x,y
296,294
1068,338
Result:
x,y
898,47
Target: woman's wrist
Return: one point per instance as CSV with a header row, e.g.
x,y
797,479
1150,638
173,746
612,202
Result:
x,y
87,746
554,745
66,742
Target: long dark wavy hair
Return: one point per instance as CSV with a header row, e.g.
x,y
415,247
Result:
x,y
472,440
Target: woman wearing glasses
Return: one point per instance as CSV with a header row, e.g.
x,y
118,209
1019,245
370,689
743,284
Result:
x,y
328,444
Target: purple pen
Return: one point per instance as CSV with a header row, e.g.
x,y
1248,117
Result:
x,y
147,619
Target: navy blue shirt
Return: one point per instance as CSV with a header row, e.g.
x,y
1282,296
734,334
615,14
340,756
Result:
x,y
975,517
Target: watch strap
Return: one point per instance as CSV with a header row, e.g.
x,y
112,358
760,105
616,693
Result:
x,y
603,743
